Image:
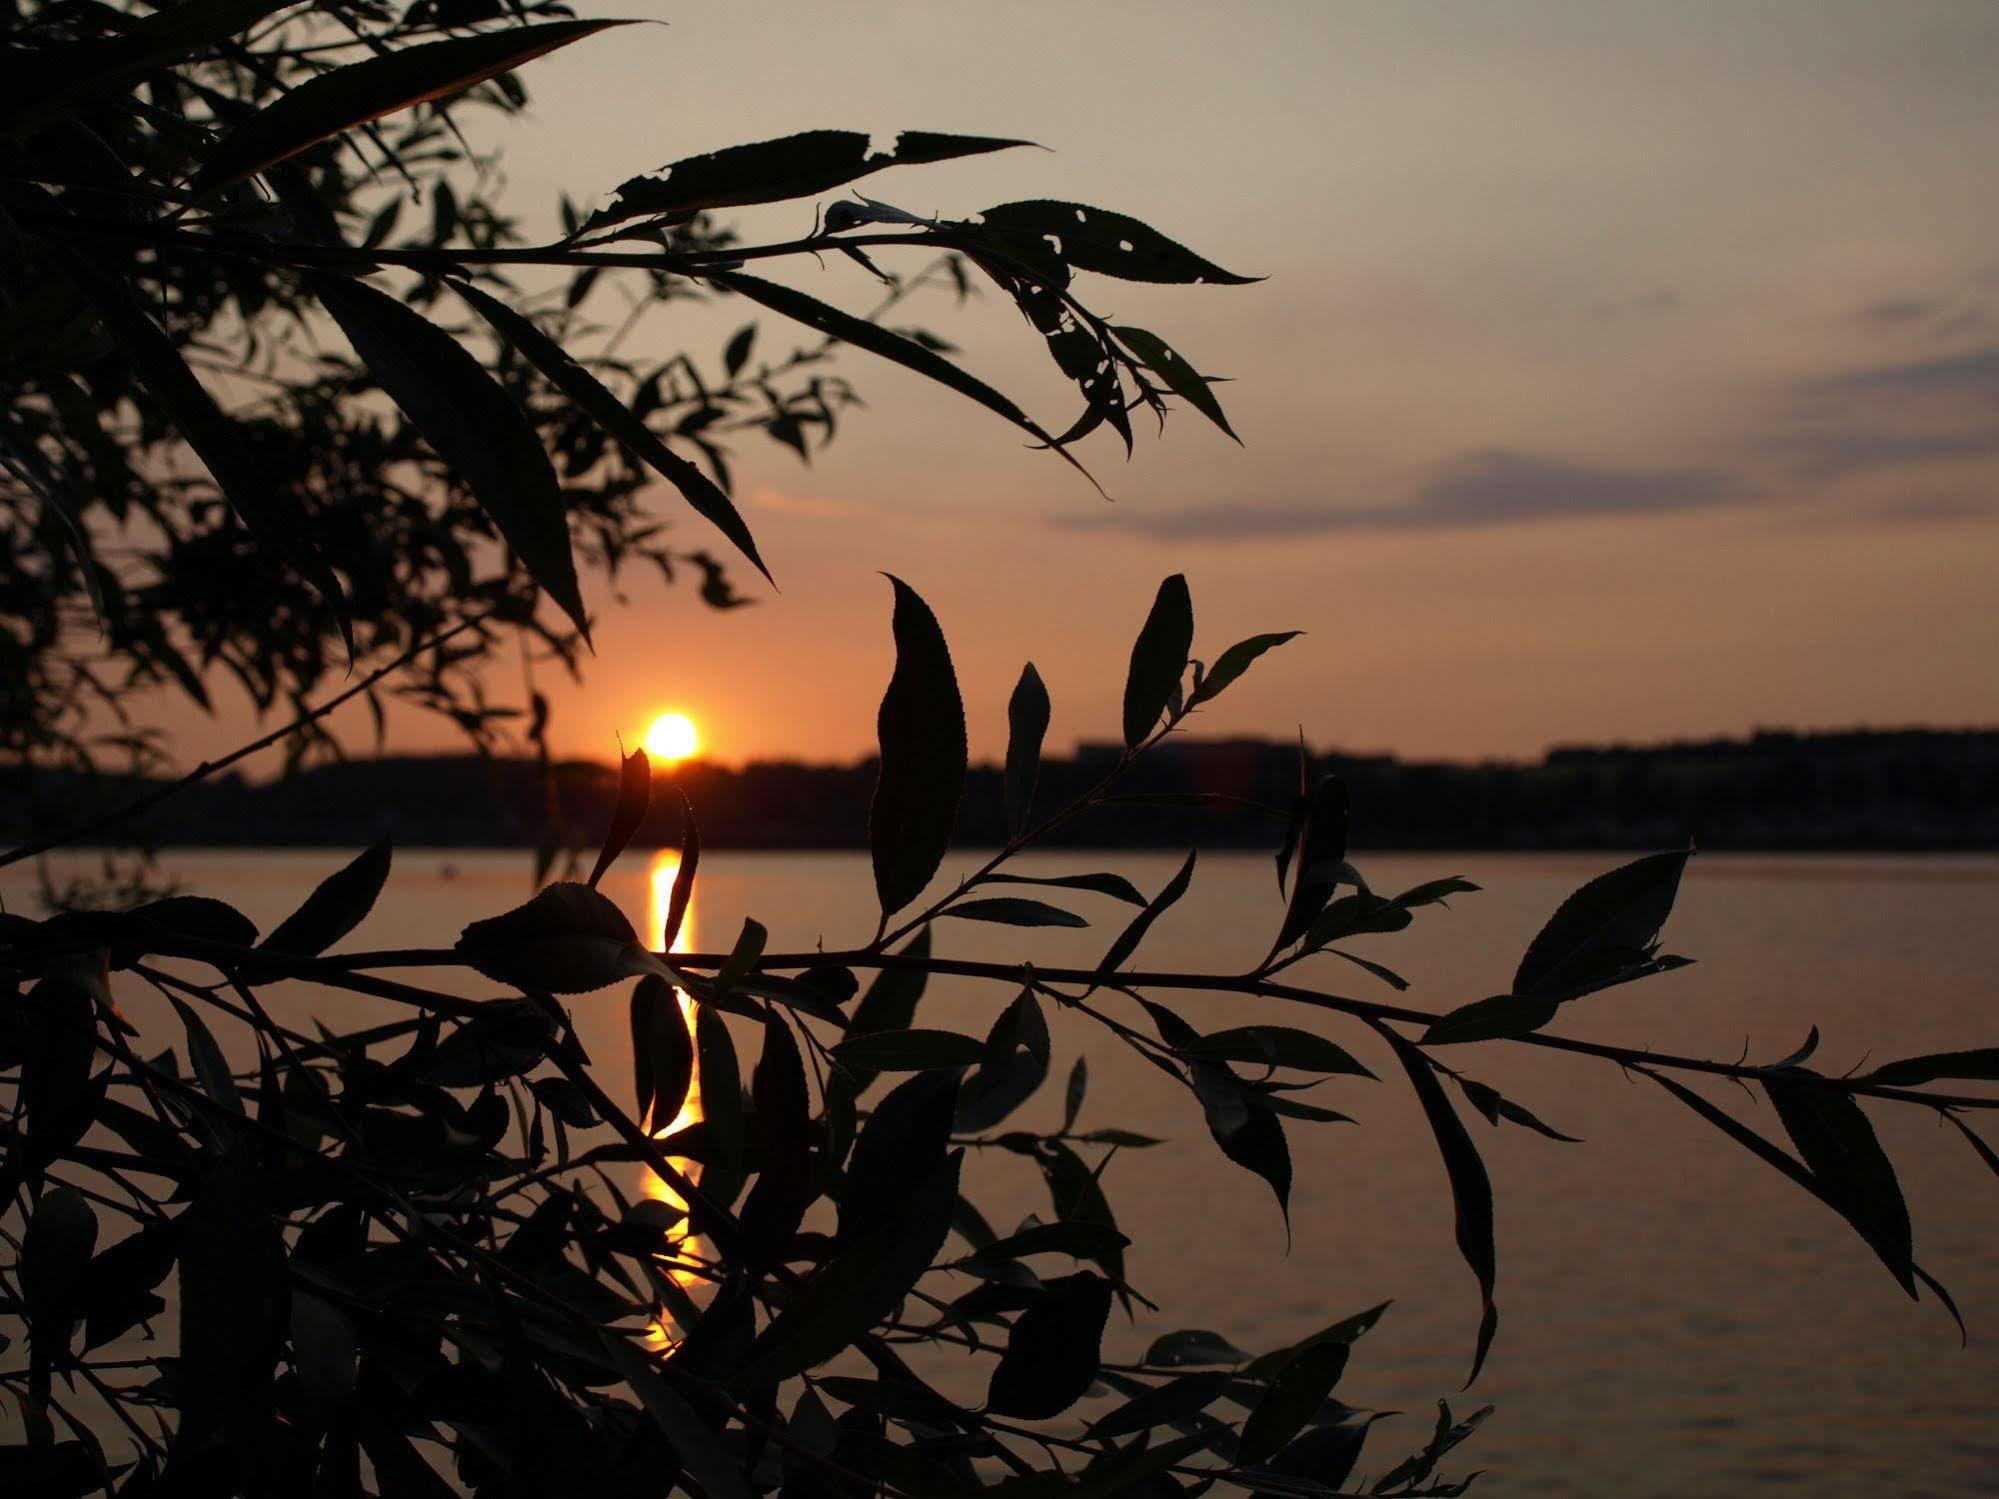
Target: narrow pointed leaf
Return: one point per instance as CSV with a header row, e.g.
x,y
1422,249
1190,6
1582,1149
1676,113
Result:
x,y
1186,382
1614,915
470,421
1112,244
1116,886
908,1051
1853,1172
634,796
1027,725
336,906
1294,1397
921,728
683,877
662,1052
616,418
567,940
1981,1065
1158,658
1012,910
1133,934
339,100
1233,662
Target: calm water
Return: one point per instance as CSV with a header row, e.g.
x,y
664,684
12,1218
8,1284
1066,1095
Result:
x,y
1676,1319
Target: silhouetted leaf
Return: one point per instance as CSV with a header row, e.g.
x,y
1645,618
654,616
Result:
x,y
1177,1350
876,340
272,512
1293,1398
1500,1018
568,940
794,166
118,1291
921,728
1012,1065
1233,662
721,1087
783,1191
1981,1065
1495,1108
1852,1170
55,1259
634,796
1053,1349
1158,658
1321,858
1985,1152
1192,386
616,418
1078,1239
1324,1455
205,1057
325,1354
201,917
1471,1188
1276,1046
1175,1400
1027,725
1610,924
337,905
230,1309
700,1452
908,1051
60,1470
1078,1197
906,1136
1010,910
1072,1094
1112,244
662,1052
864,1281
332,102
1128,940
736,353
890,1001
1434,892
683,876
470,421
1412,1471
1346,1330
1116,886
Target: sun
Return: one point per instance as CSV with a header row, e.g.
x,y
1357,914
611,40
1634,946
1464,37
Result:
x,y
672,737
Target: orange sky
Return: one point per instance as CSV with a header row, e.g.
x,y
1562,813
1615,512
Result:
x,y
1624,371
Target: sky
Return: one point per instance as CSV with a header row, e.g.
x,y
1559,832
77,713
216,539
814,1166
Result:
x,y
1622,372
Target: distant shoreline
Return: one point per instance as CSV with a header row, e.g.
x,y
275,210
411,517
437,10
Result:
x,y
1865,791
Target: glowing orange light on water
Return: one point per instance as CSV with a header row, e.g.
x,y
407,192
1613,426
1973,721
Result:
x,y
672,737
665,868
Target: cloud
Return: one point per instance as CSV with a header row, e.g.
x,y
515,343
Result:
x,y
1491,488
1883,417
1974,374
1939,507
1835,452
825,506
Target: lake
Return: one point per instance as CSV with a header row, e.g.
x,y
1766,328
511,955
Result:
x,y
1676,1319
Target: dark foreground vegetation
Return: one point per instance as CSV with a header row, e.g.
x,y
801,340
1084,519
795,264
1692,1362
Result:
x,y
266,421
1896,791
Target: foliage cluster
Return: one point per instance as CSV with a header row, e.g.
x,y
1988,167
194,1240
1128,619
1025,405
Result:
x,y
252,1257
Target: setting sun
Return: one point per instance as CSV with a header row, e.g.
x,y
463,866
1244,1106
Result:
x,y
672,737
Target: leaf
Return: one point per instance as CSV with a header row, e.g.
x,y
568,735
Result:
x,y
863,1282
1072,1095
1412,1471
1276,1046
1013,1064
1158,658
908,1051
1293,1398
1615,914
721,1087
776,1205
272,512
634,795
1233,662
1324,1455
337,905
793,166
1191,386
325,1355
1503,1017
1112,244
683,877
695,1447
470,421
1052,1350
1080,1240
230,1298
890,1002
1009,910
1163,1405
118,1291
862,334
1128,940
1981,1065
921,728
1116,886
1495,1108
339,100
1434,892
1471,1188
201,917
1853,1172
1078,1197
662,1052
1346,1330
1176,1350
205,1057
907,1136
568,940
742,959
55,1261
1027,726
617,419
1321,858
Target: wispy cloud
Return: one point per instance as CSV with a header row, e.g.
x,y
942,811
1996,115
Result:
x,y
1903,415
1490,488
825,506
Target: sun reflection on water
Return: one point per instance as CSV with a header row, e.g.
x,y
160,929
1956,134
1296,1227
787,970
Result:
x,y
665,868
